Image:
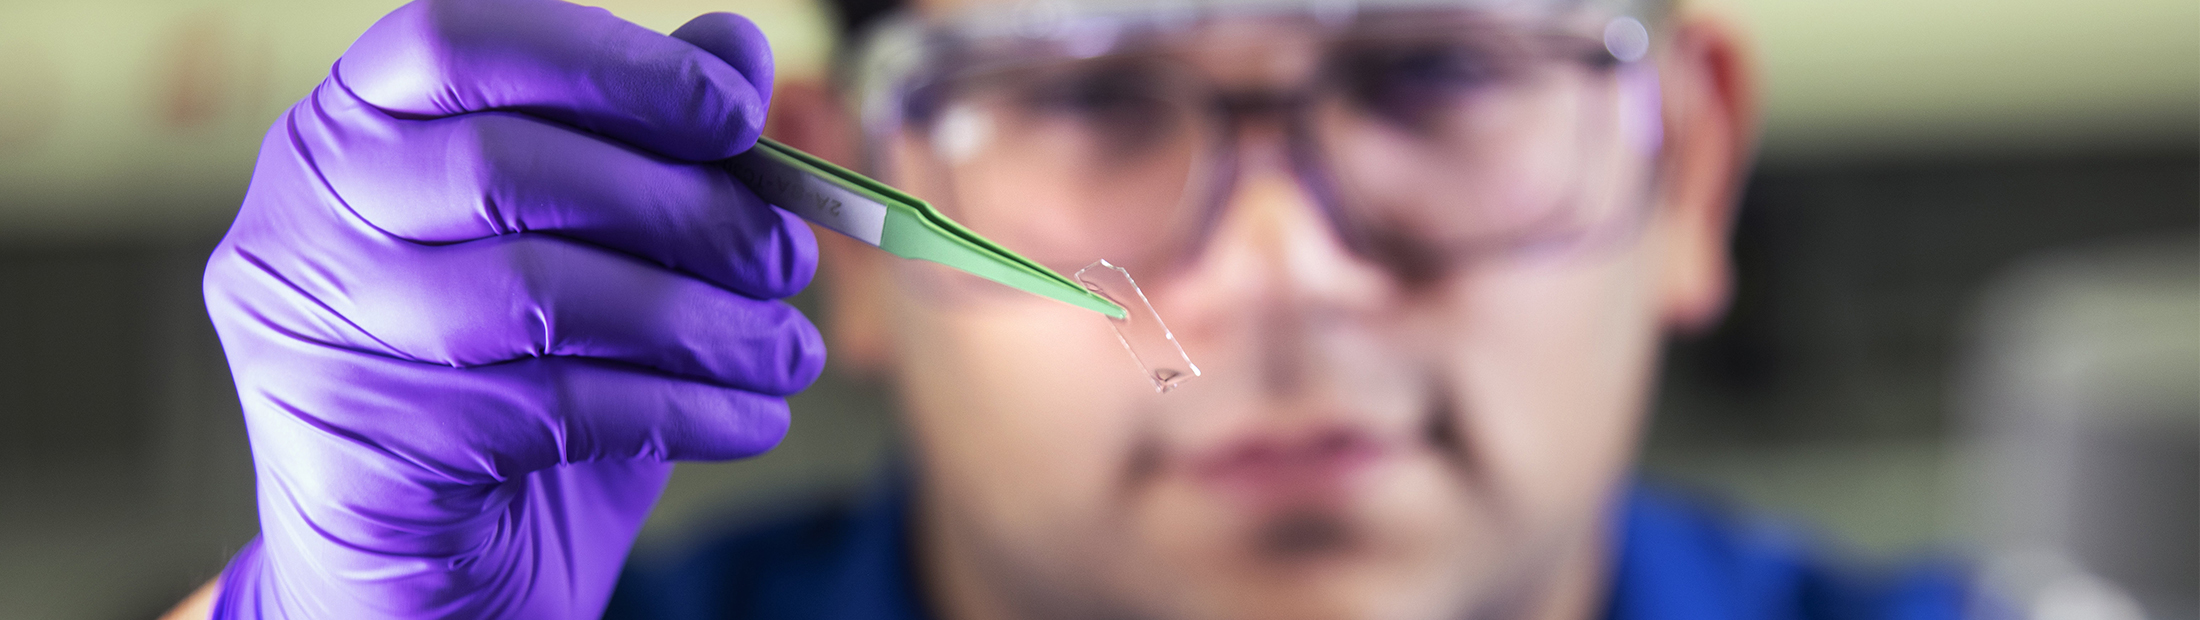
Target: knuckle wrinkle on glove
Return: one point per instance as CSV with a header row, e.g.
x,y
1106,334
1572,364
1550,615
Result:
x,y
576,65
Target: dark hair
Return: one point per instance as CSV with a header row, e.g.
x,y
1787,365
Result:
x,y
852,16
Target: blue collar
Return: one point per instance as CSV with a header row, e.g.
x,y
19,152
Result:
x,y
1678,559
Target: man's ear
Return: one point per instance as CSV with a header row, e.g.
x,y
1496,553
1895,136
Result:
x,y
1710,136
807,115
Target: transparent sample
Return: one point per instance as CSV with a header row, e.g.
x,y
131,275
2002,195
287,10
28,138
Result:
x,y
1151,345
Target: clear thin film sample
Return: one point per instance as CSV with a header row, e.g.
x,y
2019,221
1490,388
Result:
x,y
1149,341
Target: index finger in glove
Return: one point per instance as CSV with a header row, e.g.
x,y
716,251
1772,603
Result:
x,y
484,175
577,65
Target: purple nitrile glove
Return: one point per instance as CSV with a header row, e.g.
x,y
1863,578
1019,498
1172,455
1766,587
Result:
x,y
482,291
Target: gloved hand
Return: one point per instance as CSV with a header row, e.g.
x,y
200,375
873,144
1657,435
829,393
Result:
x,y
482,290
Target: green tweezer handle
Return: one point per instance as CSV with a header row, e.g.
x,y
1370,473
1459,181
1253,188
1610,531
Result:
x,y
874,213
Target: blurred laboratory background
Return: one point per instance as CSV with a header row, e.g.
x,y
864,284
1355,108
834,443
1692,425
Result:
x,y
1968,324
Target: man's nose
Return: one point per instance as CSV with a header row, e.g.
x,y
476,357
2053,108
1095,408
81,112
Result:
x,y
1274,269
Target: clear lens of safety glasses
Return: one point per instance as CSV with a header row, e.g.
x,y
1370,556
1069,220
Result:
x,y
1074,160
1467,138
1446,131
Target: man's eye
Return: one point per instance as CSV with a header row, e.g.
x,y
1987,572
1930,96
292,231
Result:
x,y
1116,112
1102,96
1410,85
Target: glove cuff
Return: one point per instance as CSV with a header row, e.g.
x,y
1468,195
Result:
x,y
239,595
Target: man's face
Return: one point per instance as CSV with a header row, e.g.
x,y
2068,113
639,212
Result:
x,y
1368,439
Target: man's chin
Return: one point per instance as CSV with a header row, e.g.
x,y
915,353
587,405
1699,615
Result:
x,y
1384,546
1304,535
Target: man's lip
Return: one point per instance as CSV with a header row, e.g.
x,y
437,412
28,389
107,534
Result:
x,y
1289,468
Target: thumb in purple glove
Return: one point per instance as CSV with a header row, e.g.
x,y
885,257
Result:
x,y
483,289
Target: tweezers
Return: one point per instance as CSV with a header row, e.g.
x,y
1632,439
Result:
x,y
874,213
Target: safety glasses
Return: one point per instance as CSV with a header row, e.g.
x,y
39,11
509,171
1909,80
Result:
x,y
1426,133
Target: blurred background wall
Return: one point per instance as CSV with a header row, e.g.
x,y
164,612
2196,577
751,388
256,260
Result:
x,y
1966,264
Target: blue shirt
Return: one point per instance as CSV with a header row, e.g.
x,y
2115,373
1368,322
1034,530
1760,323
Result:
x,y
1678,559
